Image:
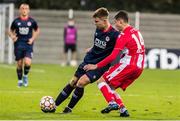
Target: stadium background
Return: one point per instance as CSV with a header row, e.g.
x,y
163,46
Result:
x,y
158,22
158,90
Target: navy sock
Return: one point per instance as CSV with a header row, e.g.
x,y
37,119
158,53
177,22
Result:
x,y
26,69
78,93
19,73
64,94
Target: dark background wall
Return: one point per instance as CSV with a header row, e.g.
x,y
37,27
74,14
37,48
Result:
x,y
155,6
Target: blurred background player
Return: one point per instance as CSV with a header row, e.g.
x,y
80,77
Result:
x,y
70,43
24,30
130,67
104,40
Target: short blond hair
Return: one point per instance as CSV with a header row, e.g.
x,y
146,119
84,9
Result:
x,y
101,12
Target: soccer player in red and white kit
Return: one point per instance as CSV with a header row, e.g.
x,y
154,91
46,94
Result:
x,y
131,45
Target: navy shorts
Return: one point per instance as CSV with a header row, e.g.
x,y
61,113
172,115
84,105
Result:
x,y
21,52
93,75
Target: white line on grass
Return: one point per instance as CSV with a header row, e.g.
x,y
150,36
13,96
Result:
x,y
13,67
20,91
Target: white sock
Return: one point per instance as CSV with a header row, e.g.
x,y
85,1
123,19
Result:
x,y
20,81
122,110
25,75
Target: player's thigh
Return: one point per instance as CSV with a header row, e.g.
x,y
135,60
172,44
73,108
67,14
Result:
x,y
117,74
83,81
77,75
28,55
94,75
132,76
19,53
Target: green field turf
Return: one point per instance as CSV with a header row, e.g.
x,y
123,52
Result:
x,y
155,95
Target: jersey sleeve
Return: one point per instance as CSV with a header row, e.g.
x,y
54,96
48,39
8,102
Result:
x,y
35,25
13,26
117,48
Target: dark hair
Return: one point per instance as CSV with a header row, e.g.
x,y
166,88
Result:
x,y
101,12
122,15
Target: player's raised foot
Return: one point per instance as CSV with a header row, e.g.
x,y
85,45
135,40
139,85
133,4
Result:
x,y
67,110
20,83
25,81
110,107
124,114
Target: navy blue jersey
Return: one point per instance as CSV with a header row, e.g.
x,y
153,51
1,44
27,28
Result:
x,y
103,45
23,29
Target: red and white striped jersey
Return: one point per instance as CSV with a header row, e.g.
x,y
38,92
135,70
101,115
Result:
x,y
131,43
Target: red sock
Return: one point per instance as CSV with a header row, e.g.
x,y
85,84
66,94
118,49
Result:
x,y
118,99
106,91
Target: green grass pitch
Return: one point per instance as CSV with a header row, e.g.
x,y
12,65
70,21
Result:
x,y
155,95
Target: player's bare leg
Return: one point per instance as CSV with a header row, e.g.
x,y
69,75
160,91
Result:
x,y
78,93
27,66
19,71
66,91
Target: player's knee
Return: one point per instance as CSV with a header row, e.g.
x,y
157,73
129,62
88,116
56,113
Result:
x,y
19,64
27,61
83,81
73,82
100,80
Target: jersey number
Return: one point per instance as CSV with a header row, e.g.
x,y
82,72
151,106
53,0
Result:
x,y
139,42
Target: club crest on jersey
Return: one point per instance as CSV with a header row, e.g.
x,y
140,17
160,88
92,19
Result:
x,y
107,38
18,23
29,23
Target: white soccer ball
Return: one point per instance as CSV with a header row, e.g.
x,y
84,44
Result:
x,y
47,104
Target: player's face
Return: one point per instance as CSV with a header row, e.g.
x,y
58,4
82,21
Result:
x,y
118,24
24,10
100,23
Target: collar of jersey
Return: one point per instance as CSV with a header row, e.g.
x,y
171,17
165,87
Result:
x,y
24,19
110,27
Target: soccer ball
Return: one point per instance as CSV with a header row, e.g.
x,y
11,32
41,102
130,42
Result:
x,y
47,104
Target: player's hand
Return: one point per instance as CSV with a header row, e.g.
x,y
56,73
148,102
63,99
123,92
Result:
x,y
14,38
30,42
90,67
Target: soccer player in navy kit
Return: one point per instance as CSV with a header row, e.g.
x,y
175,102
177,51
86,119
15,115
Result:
x,y
24,30
104,40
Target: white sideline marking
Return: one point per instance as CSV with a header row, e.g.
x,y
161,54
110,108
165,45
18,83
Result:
x,y
13,67
25,92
